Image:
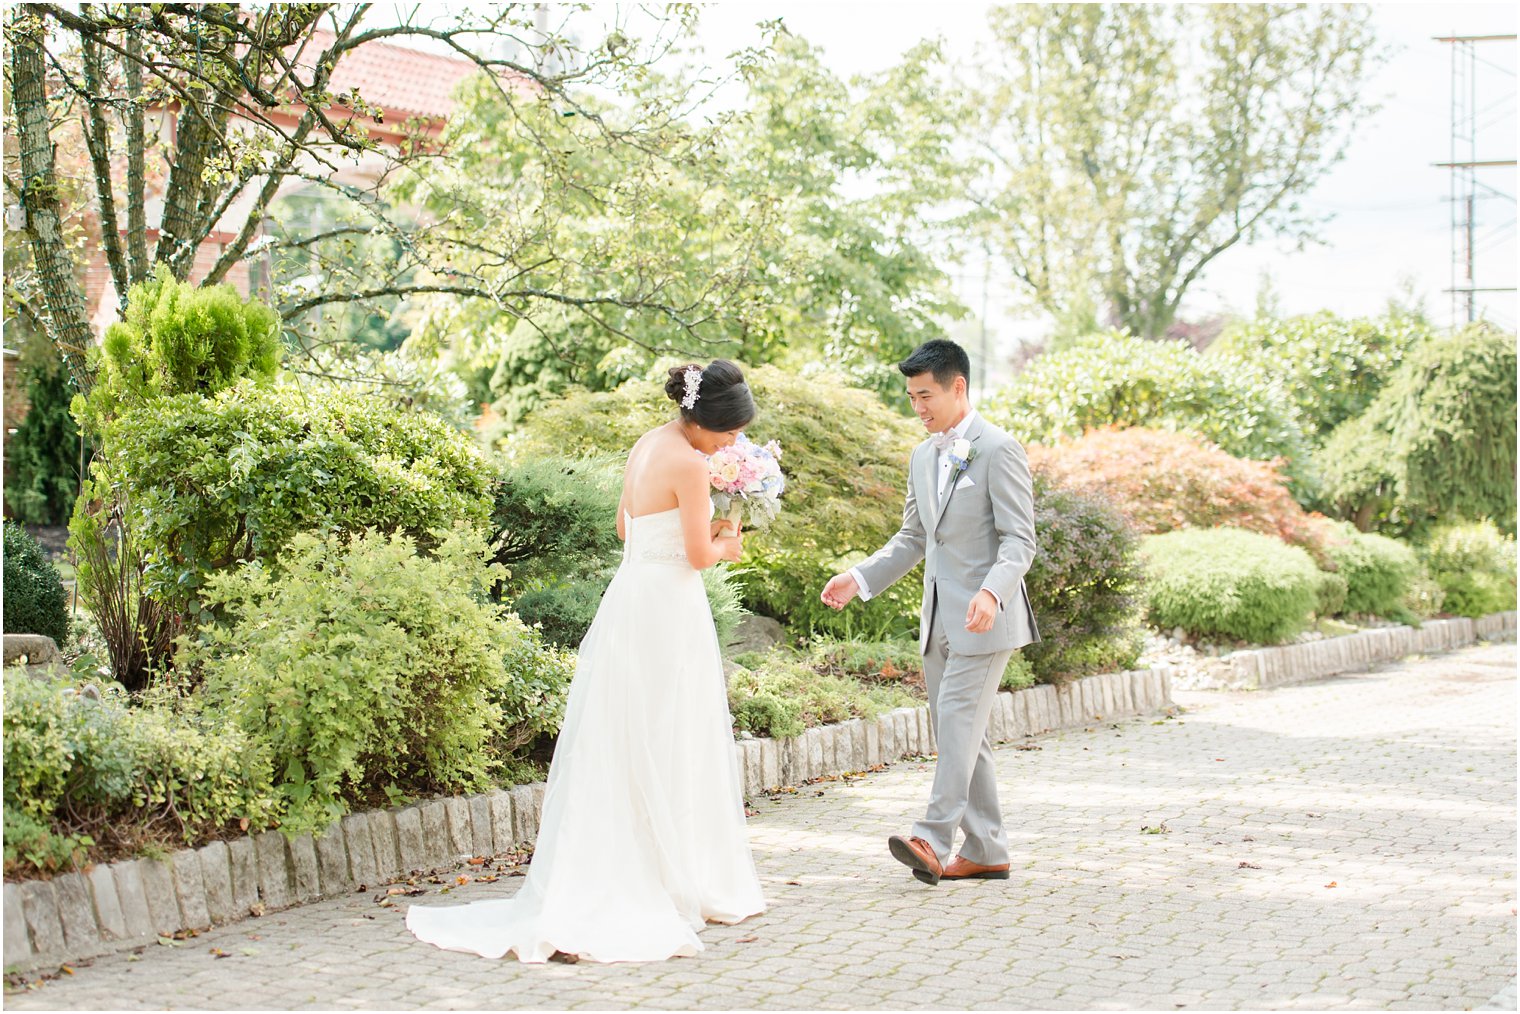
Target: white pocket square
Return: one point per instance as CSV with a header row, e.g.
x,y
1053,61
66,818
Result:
x,y
964,483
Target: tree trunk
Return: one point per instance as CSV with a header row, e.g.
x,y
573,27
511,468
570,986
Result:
x,y
97,138
68,323
137,220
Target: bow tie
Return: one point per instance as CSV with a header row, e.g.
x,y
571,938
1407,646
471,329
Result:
x,y
942,441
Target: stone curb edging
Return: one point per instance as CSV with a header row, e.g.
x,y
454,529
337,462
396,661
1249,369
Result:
x,y
126,904
1260,668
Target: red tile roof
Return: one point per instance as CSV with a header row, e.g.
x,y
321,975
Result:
x,y
402,81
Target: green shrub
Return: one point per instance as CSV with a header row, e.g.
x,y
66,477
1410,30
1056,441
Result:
x,y
1113,378
42,458
214,481
845,460
1379,573
563,611
1225,582
35,602
179,338
365,668
85,772
1330,594
556,517
1330,367
784,695
531,701
1437,442
1474,565
1019,674
1081,584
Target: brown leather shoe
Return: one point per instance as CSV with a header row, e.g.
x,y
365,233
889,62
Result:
x,y
918,855
961,868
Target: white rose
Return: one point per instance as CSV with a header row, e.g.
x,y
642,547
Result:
x,y
961,448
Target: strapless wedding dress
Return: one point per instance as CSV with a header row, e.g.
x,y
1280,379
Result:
x,y
642,838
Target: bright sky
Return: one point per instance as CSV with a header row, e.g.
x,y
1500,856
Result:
x,y
1392,226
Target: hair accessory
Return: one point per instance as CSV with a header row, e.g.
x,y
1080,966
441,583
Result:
x,y
693,377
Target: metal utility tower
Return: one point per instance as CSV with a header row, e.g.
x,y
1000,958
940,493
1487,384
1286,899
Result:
x,y
1464,167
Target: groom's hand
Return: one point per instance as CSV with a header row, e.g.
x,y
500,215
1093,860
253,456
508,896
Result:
x,y
839,591
982,612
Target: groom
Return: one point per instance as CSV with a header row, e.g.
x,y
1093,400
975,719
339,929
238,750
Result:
x,y
970,517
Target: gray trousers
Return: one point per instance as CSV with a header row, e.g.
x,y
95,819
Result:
x,y
962,689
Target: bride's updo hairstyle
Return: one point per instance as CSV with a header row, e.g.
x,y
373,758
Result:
x,y
715,398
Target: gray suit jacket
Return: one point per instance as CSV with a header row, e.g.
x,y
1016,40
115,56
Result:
x,y
982,536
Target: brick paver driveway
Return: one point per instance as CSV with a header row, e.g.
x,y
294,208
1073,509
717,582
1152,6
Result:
x,y
1345,843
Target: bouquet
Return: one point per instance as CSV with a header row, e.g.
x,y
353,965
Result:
x,y
747,473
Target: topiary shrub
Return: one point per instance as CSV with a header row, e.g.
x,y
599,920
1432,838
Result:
x,y
1082,584
1437,442
35,602
208,482
1225,582
179,338
1380,573
1474,565
1162,481
555,517
364,667
42,458
846,459
89,776
1116,379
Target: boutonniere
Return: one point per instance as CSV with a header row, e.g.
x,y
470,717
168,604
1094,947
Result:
x,y
962,454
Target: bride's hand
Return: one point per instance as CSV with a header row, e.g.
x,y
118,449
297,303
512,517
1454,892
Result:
x,y
732,547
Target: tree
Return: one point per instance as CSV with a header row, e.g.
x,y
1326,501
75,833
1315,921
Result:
x,y
251,95
1129,145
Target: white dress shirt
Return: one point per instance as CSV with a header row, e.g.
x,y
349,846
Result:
x,y
946,470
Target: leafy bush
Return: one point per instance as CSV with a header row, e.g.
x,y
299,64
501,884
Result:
x,y
784,695
564,610
1379,573
1474,565
83,773
1225,582
210,482
1162,481
1330,367
846,458
1437,442
1113,378
35,602
1082,584
1330,595
138,630
180,338
42,456
365,668
556,517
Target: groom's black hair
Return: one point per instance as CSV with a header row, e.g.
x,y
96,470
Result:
x,y
941,357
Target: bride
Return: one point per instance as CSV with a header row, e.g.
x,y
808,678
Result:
x,y
642,838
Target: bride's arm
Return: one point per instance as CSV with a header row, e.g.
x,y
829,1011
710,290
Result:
x,y
694,496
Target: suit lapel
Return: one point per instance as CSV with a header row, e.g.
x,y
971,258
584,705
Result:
x,y
929,470
973,434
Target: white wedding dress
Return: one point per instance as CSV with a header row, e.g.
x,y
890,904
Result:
x,y
642,838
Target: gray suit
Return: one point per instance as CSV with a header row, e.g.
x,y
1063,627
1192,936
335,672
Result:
x,y
981,536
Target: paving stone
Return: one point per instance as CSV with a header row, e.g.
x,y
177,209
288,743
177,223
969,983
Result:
x,y
39,906
461,835
18,943
437,850
163,903
524,815
332,861
305,867
81,933
216,878
770,766
242,857
277,886
480,824
133,895
505,828
107,903
382,830
360,844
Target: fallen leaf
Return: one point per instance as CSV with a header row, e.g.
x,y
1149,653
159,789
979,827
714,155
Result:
x,y
564,958
1247,866
66,970
477,860
1331,884
217,952
794,883
256,909
242,823
746,940
462,879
